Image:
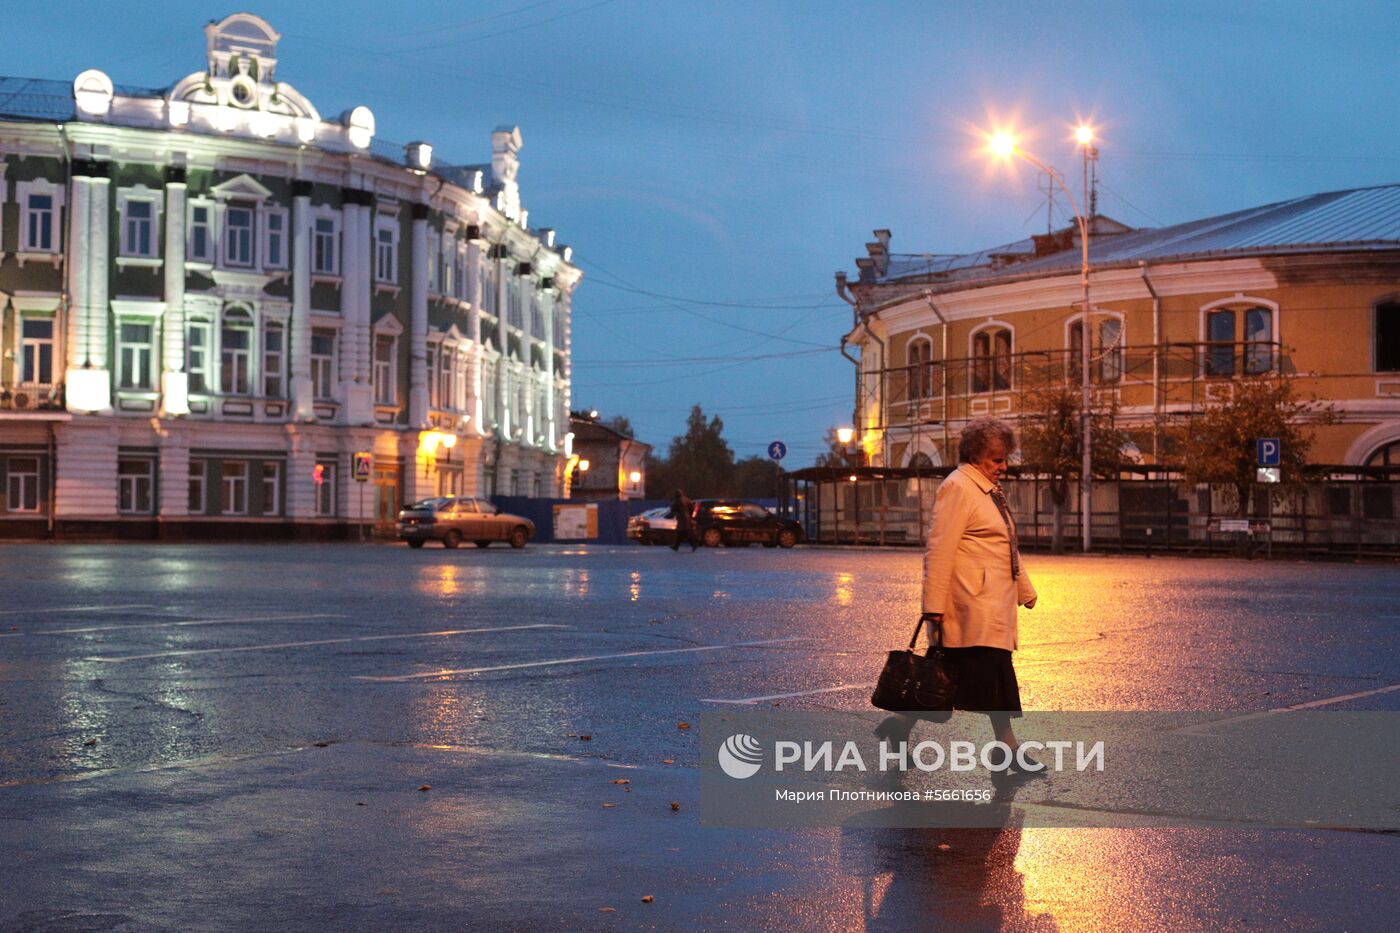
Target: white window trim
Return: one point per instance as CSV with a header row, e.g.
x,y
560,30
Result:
x,y
224,484
37,475
387,326
149,475
276,509
334,326
208,370
1241,304
211,226
332,275
254,257
269,322
328,475
264,240
23,191
253,322
126,252
390,223
203,506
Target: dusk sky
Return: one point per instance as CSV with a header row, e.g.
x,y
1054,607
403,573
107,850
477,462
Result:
x,y
714,164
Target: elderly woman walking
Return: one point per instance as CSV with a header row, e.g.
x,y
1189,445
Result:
x,y
974,580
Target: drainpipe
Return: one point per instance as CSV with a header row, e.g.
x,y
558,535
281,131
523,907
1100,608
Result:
x,y
864,322
1156,362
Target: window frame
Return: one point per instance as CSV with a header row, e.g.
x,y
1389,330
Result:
x,y
1392,302
128,482
143,353
386,253
331,239
986,373
126,199
206,225
28,483
236,319
325,493
246,237
206,345
198,477
328,360
279,234
384,372
274,361
232,487
25,192
41,346
273,506
1249,362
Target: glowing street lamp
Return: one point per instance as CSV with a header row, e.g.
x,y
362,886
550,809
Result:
x,y
1003,145
845,435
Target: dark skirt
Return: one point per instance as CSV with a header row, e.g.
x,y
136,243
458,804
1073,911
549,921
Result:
x,y
985,679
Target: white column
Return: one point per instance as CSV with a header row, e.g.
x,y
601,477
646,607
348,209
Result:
x,y
473,273
355,374
88,382
174,380
300,364
418,322
547,422
174,467
301,473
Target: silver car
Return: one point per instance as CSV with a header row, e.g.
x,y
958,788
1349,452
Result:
x,y
454,519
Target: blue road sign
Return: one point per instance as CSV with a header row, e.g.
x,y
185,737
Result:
x,y
1270,451
777,450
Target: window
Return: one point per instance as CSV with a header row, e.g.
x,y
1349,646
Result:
x,y
513,313
1106,357
1224,343
197,356
36,350
201,245
238,236
488,286
39,223
198,470
274,353
1387,325
323,363
22,484
434,355
449,254
271,488
235,480
135,483
275,239
384,382
323,247
235,344
138,232
536,317
1389,455
434,248
134,355
446,371
459,275
325,489
920,369
1220,347
991,360
386,255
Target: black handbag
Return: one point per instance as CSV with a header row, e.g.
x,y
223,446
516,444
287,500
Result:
x,y
913,682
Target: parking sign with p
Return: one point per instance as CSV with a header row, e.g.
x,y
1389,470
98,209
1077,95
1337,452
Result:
x,y
1270,451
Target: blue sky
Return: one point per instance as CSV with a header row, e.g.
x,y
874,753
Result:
x,y
714,163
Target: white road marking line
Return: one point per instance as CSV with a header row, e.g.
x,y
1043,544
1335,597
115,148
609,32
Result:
x,y
307,644
30,612
1277,711
183,622
750,701
407,678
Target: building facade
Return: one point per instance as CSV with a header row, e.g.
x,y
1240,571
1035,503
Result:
x,y
1177,316
616,463
213,297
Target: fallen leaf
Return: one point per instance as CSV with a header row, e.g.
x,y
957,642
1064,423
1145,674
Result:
x,y
607,910
387,891
586,738
426,787
943,847
90,742
682,725
621,781
668,761
648,899
359,803
675,806
320,744
609,806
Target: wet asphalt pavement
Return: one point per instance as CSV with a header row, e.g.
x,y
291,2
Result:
x,y
234,737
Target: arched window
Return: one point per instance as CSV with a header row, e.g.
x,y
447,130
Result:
x,y
1106,354
1239,340
991,360
920,461
920,368
1389,455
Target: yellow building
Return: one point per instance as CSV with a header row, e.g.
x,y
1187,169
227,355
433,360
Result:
x,y
1309,287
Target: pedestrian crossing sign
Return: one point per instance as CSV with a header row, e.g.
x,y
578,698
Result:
x,y
364,463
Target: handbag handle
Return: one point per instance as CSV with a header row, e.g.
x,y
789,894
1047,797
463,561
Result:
x,y
935,641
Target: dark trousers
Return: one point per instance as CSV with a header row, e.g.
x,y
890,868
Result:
x,y
684,535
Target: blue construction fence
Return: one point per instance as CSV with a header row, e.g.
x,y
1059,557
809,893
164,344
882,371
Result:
x,y
606,525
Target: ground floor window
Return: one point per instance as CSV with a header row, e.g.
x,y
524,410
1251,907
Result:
x,y
22,484
271,488
325,489
235,487
135,486
198,500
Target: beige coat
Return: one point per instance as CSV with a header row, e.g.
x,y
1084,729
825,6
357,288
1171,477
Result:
x,y
967,565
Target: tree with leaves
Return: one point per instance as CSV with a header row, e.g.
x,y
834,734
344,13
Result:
x,y
838,454
1052,443
699,461
621,425
1218,443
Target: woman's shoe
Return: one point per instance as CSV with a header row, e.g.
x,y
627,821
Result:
x,y
894,729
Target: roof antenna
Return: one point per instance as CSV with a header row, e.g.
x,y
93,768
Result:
x,y
1046,183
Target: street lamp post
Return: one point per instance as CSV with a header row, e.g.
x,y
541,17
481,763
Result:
x,y
1005,146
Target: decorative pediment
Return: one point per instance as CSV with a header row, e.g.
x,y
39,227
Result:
x,y
242,187
388,326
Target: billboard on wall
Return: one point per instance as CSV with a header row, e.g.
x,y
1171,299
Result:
x,y
576,522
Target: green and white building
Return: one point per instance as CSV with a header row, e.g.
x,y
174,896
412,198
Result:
x,y
212,297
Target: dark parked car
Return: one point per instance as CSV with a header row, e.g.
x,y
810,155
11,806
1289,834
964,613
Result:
x,y
454,519
734,522
654,526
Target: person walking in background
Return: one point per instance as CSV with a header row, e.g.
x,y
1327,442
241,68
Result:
x,y
974,580
681,507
